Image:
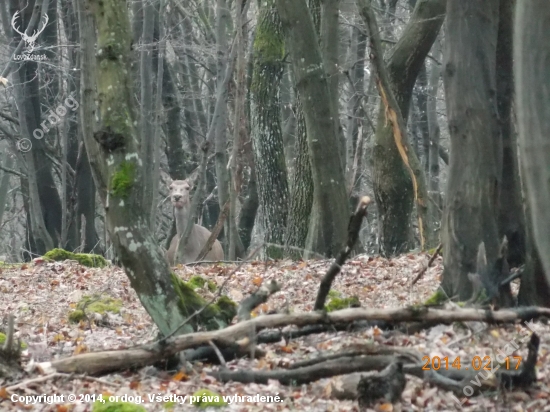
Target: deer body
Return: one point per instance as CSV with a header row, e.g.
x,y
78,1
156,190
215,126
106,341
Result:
x,y
177,253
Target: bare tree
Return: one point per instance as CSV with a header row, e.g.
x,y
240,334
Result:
x,y
267,136
327,230
532,64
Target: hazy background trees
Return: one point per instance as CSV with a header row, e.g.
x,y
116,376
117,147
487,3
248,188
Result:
x,y
274,107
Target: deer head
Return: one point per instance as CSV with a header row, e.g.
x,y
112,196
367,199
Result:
x,y
179,193
30,40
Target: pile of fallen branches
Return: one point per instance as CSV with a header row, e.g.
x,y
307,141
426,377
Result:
x,y
242,338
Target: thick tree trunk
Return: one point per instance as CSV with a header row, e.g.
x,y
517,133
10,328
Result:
x,y
532,65
327,230
470,215
112,145
81,194
511,218
392,182
267,137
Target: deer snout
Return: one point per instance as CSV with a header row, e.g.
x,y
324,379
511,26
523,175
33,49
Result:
x,y
176,198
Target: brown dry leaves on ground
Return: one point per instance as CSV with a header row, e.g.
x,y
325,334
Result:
x,y
42,295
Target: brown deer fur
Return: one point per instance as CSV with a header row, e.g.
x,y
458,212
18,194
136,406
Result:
x,y
179,196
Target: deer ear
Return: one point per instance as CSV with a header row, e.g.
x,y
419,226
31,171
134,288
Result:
x,y
193,177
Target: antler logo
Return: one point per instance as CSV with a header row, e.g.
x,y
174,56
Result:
x,y
29,40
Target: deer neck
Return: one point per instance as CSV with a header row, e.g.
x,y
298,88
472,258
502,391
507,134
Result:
x,y
182,215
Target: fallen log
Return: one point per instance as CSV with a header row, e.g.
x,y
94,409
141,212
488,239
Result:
x,y
455,380
109,361
307,374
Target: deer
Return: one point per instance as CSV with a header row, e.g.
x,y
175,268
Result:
x,y
178,253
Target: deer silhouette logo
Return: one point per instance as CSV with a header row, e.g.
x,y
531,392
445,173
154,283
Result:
x,y
29,40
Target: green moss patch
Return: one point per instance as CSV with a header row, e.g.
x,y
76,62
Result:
x,y
99,305
117,407
197,282
207,399
214,316
123,180
342,303
3,340
85,259
334,294
437,298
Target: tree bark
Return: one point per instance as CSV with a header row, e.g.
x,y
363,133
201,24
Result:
x,y
470,215
327,230
302,191
532,65
267,136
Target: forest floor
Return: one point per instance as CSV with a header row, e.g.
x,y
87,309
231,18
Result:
x,y
41,296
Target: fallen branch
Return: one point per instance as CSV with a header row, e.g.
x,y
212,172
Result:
x,y
257,298
215,232
10,352
354,227
108,361
307,374
430,262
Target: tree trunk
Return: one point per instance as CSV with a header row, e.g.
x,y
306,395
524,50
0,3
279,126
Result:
x,y
118,169
81,194
511,220
223,19
470,215
391,182
329,37
354,109
422,103
175,154
534,288
147,136
532,65
236,248
330,210
435,204
302,191
7,162
267,136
